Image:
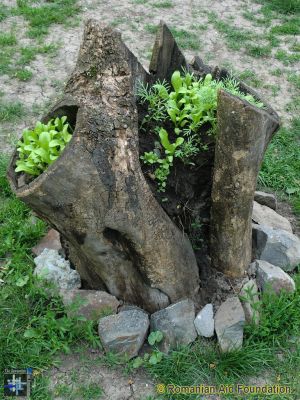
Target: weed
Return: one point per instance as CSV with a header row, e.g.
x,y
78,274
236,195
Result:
x,y
276,72
163,4
7,39
281,168
186,40
250,77
291,27
282,6
294,78
235,37
259,51
151,28
4,12
287,58
10,112
295,47
23,74
42,16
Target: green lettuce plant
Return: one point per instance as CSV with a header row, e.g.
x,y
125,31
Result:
x,y
41,146
191,104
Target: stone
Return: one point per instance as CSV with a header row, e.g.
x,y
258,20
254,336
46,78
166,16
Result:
x,y
126,307
266,199
51,267
204,321
91,303
229,324
250,301
264,215
176,322
252,269
124,333
269,275
277,246
50,241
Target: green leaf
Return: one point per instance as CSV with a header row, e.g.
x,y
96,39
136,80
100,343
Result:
x,y
31,333
22,281
176,81
138,362
155,337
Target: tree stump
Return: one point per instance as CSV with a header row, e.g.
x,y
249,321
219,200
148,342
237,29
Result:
x,y
120,237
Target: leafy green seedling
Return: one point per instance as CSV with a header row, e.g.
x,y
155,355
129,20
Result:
x,y
41,146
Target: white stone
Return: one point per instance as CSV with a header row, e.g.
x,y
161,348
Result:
x,y
268,275
229,324
204,322
264,215
51,267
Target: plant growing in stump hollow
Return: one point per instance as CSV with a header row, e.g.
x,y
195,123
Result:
x,y
41,146
191,104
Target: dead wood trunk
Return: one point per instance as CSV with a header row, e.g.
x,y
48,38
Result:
x,y
244,132
95,194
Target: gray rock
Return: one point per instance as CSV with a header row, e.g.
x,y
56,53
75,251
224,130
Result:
x,y
278,247
229,324
204,322
250,301
176,322
266,199
127,307
269,275
51,267
91,303
124,333
264,215
252,269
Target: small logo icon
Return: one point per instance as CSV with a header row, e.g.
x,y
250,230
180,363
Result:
x,y
17,383
160,388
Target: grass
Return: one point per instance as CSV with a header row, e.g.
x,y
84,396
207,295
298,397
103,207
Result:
x,y
287,58
291,27
163,4
151,28
42,16
34,323
282,6
10,112
235,37
203,363
250,77
186,40
281,167
7,39
294,78
259,51
4,12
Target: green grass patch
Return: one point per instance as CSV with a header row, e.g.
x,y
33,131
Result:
x,y
11,111
185,39
8,39
294,78
250,78
235,37
287,58
163,4
4,12
42,16
259,51
281,166
151,28
291,27
34,323
23,74
29,53
282,6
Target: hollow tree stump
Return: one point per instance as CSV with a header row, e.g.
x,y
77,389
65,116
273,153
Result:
x,y
95,194
119,237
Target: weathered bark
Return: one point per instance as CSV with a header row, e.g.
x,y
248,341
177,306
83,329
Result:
x,y
166,55
95,194
244,132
